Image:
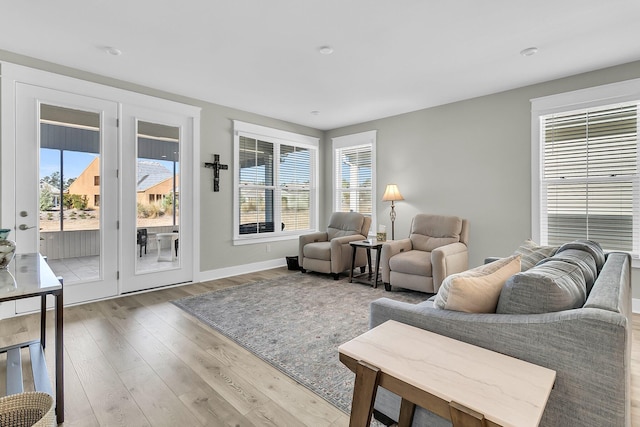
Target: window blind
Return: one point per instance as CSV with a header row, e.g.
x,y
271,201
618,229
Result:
x,y
590,176
294,184
353,179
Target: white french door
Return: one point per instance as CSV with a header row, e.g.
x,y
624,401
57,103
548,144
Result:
x,y
66,188
157,197
85,169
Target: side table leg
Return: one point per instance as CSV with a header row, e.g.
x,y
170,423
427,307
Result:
x,y
375,279
364,394
59,359
353,263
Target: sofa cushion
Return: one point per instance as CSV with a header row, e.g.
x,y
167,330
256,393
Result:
x,y
476,290
590,246
583,259
554,285
532,253
317,250
411,262
429,232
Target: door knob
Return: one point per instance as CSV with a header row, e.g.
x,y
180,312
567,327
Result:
x,y
25,227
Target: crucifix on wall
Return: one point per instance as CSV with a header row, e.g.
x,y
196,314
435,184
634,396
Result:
x,y
216,166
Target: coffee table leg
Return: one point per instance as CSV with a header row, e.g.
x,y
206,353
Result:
x,y
364,394
463,416
407,409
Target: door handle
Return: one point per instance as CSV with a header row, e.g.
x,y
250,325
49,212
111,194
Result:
x,y
25,227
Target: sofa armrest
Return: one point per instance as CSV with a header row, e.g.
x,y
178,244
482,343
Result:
x,y
390,249
446,260
318,236
588,348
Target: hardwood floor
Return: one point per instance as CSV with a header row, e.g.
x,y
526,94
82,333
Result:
x,y
140,361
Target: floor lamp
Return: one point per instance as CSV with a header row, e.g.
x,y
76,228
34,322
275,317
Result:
x,y
392,194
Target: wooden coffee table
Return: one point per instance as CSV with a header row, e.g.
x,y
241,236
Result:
x,y
469,385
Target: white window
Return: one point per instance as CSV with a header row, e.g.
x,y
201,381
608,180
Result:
x,y
588,187
275,174
354,173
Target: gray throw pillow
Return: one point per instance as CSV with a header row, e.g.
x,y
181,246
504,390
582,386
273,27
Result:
x,y
583,259
532,253
590,246
551,286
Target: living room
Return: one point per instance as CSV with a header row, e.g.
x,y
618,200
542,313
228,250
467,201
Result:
x,y
470,158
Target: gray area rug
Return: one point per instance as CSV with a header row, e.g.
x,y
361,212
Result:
x,y
296,324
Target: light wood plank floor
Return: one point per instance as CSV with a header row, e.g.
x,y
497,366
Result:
x,y
140,361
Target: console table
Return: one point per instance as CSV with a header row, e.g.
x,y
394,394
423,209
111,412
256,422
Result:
x,y
28,276
469,385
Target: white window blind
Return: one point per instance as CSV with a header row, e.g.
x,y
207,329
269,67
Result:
x,y
354,179
589,174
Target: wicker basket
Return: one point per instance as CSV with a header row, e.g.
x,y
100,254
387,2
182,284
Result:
x,y
31,409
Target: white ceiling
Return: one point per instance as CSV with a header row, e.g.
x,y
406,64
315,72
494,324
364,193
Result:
x,y
390,57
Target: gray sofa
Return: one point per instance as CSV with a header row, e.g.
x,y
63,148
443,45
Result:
x,y
589,348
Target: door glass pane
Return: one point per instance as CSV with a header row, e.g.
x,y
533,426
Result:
x,y
69,197
157,196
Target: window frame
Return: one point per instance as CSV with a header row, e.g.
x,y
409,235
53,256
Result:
x,y
583,99
278,138
353,141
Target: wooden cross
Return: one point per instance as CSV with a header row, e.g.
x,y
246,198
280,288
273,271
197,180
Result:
x,y
216,166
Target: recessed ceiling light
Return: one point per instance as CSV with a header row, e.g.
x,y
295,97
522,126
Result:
x,y
326,50
315,112
529,51
113,51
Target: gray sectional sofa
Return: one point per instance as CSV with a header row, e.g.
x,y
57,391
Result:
x,y
589,347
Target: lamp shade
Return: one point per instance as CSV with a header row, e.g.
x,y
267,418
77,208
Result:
x,y
392,194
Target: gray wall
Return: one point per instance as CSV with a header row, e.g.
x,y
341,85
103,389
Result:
x,y
470,158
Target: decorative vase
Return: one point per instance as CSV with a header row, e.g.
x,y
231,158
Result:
x,y
7,248
7,281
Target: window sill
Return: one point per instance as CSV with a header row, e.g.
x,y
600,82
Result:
x,y
239,241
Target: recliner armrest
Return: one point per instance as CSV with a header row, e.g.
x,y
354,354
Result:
x,y
390,249
446,260
318,236
339,244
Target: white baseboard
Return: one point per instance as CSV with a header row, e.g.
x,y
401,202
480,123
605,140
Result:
x,y
635,305
235,270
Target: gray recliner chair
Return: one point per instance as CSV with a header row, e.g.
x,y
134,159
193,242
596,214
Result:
x,y
329,251
436,248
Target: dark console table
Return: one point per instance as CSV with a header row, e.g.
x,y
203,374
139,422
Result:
x,y
28,276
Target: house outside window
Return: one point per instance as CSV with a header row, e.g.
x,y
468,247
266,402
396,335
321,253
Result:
x,y
275,176
585,165
354,173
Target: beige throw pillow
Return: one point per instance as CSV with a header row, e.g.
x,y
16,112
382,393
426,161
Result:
x,y
477,290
